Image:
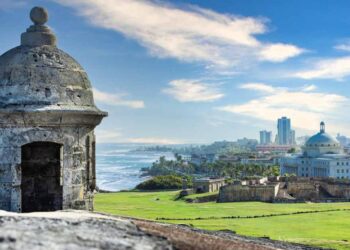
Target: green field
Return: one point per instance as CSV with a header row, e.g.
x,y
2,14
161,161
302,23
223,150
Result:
x,y
327,229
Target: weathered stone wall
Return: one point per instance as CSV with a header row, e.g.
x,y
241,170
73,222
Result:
x,y
231,193
77,163
43,76
207,186
46,96
201,187
303,190
317,188
337,189
287,190
215,186
80,230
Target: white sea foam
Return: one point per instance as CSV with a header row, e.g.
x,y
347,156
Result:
x,y
118,165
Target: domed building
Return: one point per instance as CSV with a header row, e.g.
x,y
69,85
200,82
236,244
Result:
x,y
47,121
322,156
321,143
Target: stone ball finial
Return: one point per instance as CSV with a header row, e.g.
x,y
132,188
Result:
x,y
39,15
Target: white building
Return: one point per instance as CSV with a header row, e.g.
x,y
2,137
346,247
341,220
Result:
x,y
322,156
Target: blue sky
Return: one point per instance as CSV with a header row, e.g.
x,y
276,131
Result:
x,y
200,71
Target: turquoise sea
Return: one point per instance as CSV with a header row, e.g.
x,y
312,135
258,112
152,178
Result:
x,y
118,165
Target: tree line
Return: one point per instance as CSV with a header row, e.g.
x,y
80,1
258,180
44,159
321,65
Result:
x,y
233,170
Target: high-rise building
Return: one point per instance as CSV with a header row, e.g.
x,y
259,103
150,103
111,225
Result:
x,y
284,131
265,137
292,137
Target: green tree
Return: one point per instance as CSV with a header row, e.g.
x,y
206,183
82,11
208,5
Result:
x,y
291,151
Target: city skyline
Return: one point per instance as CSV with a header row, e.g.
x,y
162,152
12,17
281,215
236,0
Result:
x,y
217,70
265,137
285,135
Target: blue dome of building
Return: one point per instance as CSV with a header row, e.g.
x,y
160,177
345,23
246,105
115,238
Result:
x,y
322,138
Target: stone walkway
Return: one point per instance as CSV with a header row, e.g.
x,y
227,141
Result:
x,y
84,230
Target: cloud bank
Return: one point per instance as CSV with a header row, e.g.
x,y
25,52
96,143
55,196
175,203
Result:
x,y
190,34
305,107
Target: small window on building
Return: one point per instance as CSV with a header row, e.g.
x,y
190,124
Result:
x,y
337,163
342,170
342,163
347,171
338,171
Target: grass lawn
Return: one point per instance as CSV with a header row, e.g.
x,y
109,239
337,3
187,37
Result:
x,y
327,229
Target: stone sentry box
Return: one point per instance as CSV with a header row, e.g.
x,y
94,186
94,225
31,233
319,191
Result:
x,y
47,121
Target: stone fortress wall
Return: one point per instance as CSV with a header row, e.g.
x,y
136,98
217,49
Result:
x,y
76,160
248,193
283,189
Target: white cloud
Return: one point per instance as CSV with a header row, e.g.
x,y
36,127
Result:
x,y
310,87
343,46
262,87
305,108
116,100
279,52
185,90
190,33
334,68
153,140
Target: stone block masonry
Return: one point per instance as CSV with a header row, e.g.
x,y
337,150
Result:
x,y
84,230
233,192
293,189
47,121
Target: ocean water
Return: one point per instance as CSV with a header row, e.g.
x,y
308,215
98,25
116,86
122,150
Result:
x,y
118,165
